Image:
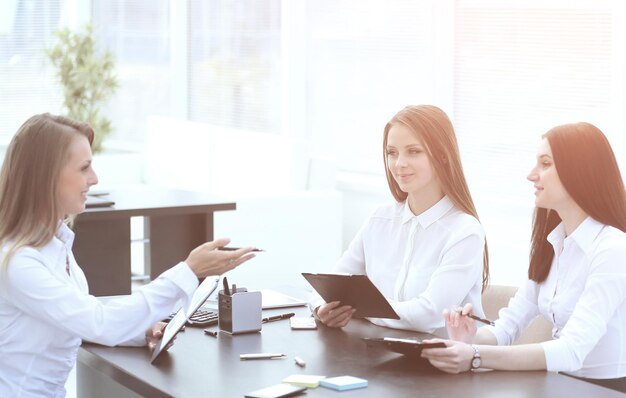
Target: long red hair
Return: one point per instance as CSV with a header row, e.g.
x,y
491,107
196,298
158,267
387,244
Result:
x,y
588,170
433,127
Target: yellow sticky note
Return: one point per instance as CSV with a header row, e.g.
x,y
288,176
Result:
x,y
309,381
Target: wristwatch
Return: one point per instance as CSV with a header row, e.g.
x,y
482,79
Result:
x,y
476,361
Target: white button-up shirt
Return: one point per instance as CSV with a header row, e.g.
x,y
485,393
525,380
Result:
x,y
44,314
584,297
421,264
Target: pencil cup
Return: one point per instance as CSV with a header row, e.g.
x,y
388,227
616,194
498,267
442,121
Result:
x,y
239,312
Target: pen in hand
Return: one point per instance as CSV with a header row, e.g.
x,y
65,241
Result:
x,y
277,317
232,249
479,319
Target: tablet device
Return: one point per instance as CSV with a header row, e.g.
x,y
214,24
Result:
x,y
180,318
409,347
356,291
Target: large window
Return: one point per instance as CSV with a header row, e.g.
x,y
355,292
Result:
x,y
27,86
137,32
334,72
365,61
234,64
521,68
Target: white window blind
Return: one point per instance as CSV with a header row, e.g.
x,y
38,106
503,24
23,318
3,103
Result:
x,y
365,61
522,68
137,33
234,64
27,83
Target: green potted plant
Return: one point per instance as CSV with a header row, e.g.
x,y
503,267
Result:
x,y
88,79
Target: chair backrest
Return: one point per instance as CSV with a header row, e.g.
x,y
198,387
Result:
x,y
496,297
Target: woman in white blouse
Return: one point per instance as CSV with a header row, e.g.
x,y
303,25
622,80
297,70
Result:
x,y
45,307
577,273
426,251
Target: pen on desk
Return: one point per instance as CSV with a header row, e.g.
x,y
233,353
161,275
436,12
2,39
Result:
x,y
299,361
226,288
210,332
277,317
479,319
232,249
262,355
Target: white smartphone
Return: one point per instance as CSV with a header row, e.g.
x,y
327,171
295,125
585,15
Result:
x,y
302,323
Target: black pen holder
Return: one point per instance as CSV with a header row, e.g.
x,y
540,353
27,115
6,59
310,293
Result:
x,y
239,312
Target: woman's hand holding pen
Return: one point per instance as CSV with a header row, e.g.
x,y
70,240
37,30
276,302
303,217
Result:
x,y
333,315
207,259
460,327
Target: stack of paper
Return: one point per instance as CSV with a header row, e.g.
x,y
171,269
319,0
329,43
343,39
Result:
x,y
342,383
309,381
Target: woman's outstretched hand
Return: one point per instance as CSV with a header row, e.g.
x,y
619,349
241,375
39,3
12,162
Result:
x,y
206,259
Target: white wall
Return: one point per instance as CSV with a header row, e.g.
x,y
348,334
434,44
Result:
x,y
300,232
270,178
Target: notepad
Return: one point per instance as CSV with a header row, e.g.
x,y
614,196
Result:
x,y
309,381
343,383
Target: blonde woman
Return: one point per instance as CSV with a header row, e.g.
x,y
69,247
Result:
x,y
427,250
45,307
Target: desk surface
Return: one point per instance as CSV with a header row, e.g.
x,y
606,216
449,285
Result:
x,y
175,222
202,366
144,200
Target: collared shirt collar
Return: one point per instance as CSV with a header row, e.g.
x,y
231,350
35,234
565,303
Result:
x,y
431,215
583,235
61,243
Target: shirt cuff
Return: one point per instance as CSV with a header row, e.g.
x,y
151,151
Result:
x,y
313,304
555,360
183,277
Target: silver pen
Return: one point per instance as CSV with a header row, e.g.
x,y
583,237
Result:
x,y
262,355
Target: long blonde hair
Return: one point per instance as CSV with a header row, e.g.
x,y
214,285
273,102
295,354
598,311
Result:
x,y
433,127
29,203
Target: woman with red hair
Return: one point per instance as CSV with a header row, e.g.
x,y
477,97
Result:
x,y
577,273
426,251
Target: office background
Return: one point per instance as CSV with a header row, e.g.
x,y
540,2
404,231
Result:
x,y
280,105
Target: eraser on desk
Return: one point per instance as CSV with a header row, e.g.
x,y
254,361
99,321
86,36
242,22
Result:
x,y
343,383
309,381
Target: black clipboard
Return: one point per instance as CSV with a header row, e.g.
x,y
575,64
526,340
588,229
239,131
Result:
x,y
179,320
356,291
407,347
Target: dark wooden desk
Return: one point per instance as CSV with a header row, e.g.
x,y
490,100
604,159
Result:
x,y
204,366
175,223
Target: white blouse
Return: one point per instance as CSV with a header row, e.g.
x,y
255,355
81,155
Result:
x,y
421,264
584,297
44,314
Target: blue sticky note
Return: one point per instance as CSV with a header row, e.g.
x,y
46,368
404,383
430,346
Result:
x,y
343,383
